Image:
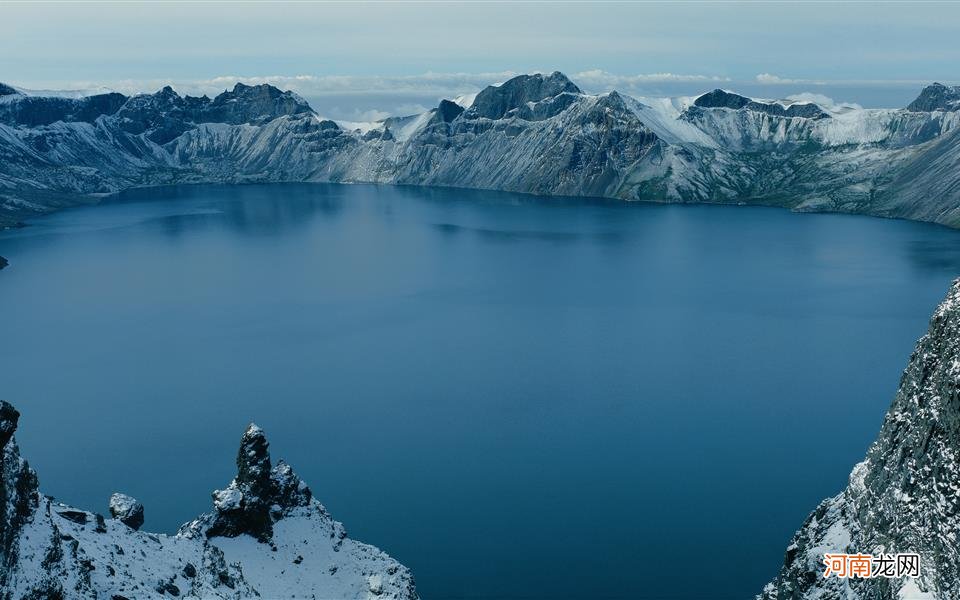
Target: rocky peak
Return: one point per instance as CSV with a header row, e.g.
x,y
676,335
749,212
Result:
x,y
254,104
723,99
253,461
33,111
494,102
9,417
6,90
448,111
937,97
260,493
165,115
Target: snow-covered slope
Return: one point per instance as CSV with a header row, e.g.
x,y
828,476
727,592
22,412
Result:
x,y
535,133
267,537
904,497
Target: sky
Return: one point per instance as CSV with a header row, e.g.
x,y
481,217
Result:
x,y
359,60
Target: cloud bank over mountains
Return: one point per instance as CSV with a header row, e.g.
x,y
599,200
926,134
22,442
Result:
x,y
375,97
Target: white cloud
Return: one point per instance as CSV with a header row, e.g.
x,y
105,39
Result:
x,y
597,79
430,83
371,115
821,100
409,109
771,79
448,85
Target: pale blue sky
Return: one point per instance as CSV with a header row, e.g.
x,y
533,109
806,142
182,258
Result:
x,y
871,53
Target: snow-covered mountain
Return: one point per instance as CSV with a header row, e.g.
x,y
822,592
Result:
x,y
267,537
535,133
904,497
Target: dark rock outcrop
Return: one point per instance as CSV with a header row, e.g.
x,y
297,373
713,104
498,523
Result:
x,y
34,111
448,111
166,115
19,494
3,262
903,498
259,494
936,97
127,510
723,99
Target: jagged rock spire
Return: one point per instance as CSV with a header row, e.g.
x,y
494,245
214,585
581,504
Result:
x,y
447,111
253,461
259,494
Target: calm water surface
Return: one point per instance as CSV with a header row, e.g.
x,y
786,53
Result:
x,y
516,397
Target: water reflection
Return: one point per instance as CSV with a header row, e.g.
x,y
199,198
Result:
x,y
938,255
256,210
508,235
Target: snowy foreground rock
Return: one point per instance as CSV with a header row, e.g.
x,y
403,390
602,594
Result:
x,y
905,497
538,134
266,538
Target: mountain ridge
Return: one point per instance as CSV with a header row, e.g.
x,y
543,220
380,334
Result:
x,y
537,134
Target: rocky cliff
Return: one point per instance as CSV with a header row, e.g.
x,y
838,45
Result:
x,y
536,134
904,497
266,537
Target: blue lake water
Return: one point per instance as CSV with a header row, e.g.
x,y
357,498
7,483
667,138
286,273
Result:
x,y
516,397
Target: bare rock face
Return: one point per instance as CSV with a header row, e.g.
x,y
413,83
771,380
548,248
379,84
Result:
x,y
127,510
905,496
18,490
35,111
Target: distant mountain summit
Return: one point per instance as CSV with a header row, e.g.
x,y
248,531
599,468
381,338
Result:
x,y
723,99
20,110
499,101
537,133
937,97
